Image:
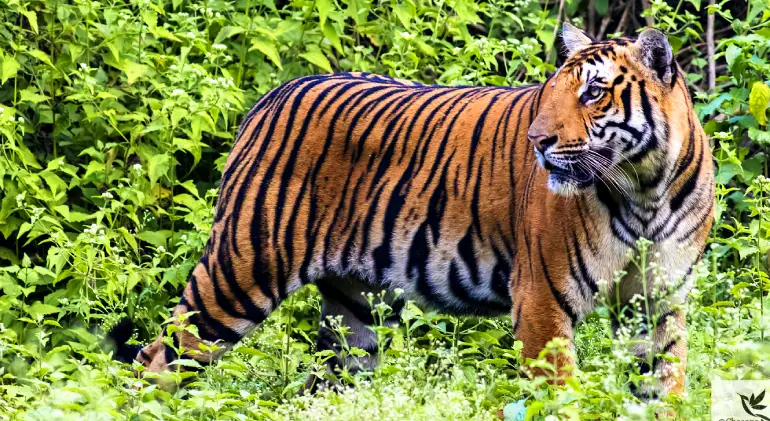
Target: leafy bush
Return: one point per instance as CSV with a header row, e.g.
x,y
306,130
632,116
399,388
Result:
x,y
115,124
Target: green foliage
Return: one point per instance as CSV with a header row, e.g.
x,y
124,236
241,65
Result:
x,y
115,123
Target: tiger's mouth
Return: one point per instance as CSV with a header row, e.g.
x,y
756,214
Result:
x,y
576,175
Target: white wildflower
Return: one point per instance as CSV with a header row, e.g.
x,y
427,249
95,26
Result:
x,y
219,47
107,195
177,92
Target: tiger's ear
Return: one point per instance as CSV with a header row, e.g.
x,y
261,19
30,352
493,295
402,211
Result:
x,y
655,53
574,39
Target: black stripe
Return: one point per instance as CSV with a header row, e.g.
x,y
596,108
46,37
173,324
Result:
x,y
360,311
557,295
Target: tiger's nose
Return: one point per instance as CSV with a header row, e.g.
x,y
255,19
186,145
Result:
x,y
542,141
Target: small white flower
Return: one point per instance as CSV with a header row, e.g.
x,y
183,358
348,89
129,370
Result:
x,y
219,47
83,66
21,119
190,35
12,118
219,15
161,249
107,195
137,167
177,92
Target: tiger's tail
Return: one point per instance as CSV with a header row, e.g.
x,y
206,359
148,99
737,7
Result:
x,y
118,336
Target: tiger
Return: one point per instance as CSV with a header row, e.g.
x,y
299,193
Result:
x,y
470,200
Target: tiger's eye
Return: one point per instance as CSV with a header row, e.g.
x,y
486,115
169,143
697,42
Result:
x,y
592,93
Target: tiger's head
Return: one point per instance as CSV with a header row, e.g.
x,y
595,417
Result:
x,y
604,116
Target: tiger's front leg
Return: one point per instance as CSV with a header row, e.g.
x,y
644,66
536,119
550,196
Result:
x,y
541,314
660,350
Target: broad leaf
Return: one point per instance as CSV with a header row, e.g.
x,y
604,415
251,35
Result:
x,y
759,99
268,49
317,58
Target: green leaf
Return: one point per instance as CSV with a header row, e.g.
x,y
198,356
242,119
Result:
x,y
29,95
41,56
162,32
317,58
38,310
761,137
732,53
134,71
7,254
10,67
94,167
268,49
404,12
746,251
178,114
727,171
190,146
158,167
602,6
759,99
331,34
156,238
323,7
227,32
32,18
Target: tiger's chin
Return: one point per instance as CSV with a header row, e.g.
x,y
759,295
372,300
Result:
x,y
568,184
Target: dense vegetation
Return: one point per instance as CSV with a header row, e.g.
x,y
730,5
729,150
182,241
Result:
x,y
115,121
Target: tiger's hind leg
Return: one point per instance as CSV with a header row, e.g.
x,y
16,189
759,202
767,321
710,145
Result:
x,y
213,314
346,321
